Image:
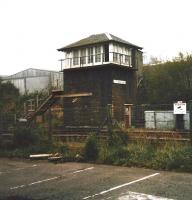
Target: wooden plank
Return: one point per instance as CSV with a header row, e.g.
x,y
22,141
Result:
x,y
85,94
36,156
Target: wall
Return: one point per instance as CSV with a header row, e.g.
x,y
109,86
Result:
x,y
165,120
98,81
37,83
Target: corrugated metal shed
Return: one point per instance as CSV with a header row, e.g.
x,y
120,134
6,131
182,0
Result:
x,y
31,80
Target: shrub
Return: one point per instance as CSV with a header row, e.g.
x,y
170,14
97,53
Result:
x,y
118,138
63,149
140,154
173,156
25,137
6,144
91,150
116,155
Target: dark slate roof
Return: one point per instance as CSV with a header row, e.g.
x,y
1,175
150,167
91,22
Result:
x,y
95,39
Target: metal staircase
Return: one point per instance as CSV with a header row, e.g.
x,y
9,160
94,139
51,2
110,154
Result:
x,y
45,105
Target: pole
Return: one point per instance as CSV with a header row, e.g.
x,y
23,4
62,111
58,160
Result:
x,y
49,124
190,119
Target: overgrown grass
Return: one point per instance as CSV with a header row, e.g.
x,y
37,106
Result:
x,y
173,156
115,150
27,141
169,156
36,140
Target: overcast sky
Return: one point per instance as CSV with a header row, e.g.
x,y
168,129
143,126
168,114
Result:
x,y
32,30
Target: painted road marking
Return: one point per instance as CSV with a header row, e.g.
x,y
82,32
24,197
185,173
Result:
x,y
22,168
20,186
123,185
49,179
81,170
135,195
17,169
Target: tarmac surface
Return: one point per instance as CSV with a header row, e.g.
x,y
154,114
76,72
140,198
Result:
x,y
30,180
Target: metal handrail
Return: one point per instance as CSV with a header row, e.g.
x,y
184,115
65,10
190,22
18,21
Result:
x,y
96,59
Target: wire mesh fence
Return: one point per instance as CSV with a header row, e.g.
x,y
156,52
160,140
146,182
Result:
x,y
138,112
7,122
159,116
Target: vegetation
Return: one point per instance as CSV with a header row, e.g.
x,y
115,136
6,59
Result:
x,y
167,82
9,97
91,148
170,156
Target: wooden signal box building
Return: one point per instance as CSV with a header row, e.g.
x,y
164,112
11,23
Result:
x,y
99,70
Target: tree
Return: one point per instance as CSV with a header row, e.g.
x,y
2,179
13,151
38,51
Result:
x,y
9,95
167,82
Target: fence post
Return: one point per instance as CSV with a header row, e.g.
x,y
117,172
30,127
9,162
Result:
x,y
109,118
50,124
127,115
15,119
190,119
37,102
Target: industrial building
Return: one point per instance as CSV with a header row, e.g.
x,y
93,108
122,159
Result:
x,y
32,80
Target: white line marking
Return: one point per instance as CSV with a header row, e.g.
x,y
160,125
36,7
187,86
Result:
x,y
136,195
17,169
49,179
82,170
123,185
20,186
45,180
22,168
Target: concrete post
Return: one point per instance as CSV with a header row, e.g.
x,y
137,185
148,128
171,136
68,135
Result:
x,y
190,114
190,118
127,115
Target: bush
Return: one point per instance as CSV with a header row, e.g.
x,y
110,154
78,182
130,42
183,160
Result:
x,y
91,150
6,144
140,154
169,156
117,138
173,156
25,137
114,155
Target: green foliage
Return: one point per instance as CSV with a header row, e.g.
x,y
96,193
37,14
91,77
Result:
x,y
6,144
63,149
140,154
24,137
169,156
118,138
173,156
113,155
91,150
135,154
9,96
167,82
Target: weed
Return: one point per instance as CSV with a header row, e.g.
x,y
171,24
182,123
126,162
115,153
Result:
x,y
91,150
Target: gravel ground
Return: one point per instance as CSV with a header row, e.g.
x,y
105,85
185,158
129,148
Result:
x,y
29,180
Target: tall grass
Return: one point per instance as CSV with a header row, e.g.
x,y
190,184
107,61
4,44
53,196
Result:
x,y
173,156
168,156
